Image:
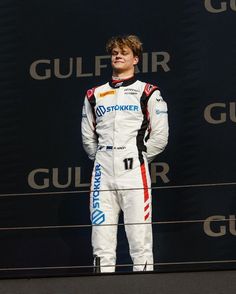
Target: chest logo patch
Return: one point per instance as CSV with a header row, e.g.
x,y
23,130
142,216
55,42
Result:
x,y
131,91
103,94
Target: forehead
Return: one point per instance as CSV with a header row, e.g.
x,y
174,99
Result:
x,y
123,48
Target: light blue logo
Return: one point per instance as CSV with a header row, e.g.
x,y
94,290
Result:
x,y
98,217
160,111
101,110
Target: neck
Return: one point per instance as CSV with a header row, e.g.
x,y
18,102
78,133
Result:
x,y
115,78
122,75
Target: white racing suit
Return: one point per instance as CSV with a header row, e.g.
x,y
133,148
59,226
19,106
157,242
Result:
x,y
124,126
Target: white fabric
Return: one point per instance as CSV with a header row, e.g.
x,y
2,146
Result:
x,y
113,122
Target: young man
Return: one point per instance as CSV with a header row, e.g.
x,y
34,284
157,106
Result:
x,y
124,127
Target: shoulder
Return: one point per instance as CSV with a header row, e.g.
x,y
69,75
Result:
x,y
149,89
152,94
92,91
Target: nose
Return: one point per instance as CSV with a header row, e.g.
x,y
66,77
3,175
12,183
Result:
x,y
118,55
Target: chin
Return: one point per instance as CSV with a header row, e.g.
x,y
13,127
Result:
x,y
118,68
119,65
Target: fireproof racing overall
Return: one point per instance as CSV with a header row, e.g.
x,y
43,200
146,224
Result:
x,y
124,126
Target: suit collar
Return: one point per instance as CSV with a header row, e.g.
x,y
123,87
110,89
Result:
x,y
122,83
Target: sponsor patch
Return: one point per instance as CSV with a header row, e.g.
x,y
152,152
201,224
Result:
x,y
101,110
98,216
160,111
90,93
149,88
131,91
111,92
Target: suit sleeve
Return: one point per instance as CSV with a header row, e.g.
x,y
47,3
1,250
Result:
x,y
88,130
158,125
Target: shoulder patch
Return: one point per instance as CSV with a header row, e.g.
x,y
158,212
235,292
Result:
x,y
90,93
149,88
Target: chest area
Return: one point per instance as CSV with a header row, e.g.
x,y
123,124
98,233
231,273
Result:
x,y
122,101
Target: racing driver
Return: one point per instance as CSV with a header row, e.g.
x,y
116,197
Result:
x,y
124,127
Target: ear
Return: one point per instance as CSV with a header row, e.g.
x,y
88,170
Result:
x,y
136,60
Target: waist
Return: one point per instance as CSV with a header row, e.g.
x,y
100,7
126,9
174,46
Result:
x,y
112,147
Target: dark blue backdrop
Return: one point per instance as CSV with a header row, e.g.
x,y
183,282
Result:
x,y
51,52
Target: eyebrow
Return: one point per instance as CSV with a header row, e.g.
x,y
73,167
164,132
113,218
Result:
x,y
122,50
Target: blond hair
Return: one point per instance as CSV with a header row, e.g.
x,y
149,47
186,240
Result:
x,y
131,41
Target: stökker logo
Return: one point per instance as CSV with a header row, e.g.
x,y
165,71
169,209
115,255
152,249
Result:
x,y
101,110
98,217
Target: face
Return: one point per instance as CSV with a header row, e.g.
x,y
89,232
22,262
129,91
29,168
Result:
x,y
123,60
